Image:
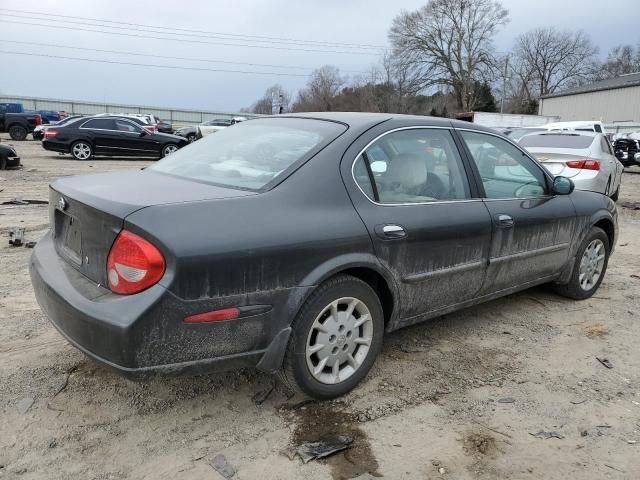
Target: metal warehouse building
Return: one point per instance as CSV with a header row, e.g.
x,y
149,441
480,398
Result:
x,y
613,101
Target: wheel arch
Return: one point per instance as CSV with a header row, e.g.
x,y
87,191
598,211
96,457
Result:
x,y
365,267
607,225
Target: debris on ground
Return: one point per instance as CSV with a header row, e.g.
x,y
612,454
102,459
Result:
x,y
631,206
20,201
578,402
24,404
259,397
506,400
407,348
605,362
30,244
16,236
323,448
546,435
635,276
597,330
219,464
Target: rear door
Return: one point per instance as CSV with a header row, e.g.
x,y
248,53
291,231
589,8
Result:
x,y
428,226
101,131
532,228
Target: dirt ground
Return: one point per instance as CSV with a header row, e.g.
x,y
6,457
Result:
x,y
460,397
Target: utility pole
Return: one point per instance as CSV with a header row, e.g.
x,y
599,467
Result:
x,y
504,83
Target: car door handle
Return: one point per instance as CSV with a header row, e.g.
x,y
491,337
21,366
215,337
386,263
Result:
x,y
390,231
504,221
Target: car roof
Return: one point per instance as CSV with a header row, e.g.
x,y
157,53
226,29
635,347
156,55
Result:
x,y
363,119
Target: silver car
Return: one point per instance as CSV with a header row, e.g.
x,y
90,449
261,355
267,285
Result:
x,y
585,157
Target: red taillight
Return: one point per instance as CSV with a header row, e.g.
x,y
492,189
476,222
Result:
x,y
584,164
38,120
133,264
215,316
48,133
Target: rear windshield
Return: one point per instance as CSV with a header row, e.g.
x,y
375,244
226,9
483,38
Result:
x,y
251,154
554,140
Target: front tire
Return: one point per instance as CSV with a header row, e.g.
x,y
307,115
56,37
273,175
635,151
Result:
x,y
192,137
589,267
336,338
17,132
82,150
169,149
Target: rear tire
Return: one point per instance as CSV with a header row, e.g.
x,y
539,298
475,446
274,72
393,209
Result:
x,y
589,267
341,323
81,150
17,132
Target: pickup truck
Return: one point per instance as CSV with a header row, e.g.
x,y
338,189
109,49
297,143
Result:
x,y
18,124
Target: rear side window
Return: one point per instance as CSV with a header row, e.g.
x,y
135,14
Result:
x,y
252,154
100,123
557,140
412,166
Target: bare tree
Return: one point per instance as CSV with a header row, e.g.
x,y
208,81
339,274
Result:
x,y
450,44
321,90
274,94
622,60
552,60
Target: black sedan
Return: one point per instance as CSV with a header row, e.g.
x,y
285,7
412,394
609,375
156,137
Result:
x,y
113,136
295,243
8,157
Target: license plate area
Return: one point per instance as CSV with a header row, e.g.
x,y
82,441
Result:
x,y
68,234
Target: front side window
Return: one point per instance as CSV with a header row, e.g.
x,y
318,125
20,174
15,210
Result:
x,y
506,171
253,154
100,124
412,166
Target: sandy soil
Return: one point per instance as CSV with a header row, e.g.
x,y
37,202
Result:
x,y
459,397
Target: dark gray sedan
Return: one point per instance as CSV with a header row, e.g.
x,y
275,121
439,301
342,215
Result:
x,y
294,243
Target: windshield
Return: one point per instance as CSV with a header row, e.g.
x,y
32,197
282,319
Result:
x,y
554,140
251,154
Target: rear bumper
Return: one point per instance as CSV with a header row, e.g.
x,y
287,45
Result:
x,y
144,334
55,146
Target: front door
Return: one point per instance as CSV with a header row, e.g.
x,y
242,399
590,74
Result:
x,y
428,226
532,228
131,139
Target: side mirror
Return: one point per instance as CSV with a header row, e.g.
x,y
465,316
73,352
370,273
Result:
x,y
378,166
563,185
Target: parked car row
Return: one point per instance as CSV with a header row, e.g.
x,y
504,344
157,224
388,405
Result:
x,y
111,135
193,133
627,148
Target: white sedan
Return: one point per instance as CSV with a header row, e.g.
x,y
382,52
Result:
x,y
585,157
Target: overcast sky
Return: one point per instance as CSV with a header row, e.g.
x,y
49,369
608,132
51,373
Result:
x,y
337,21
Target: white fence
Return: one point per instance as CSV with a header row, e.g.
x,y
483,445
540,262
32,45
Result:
x,y
75,107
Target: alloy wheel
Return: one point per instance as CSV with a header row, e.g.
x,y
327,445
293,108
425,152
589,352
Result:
x,y
591,264
169,149
81,151
339,340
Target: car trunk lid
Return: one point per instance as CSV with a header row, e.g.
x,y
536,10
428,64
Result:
x,y
88,212
556,163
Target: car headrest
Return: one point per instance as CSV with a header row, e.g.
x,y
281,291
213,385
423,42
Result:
x,y
408,170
